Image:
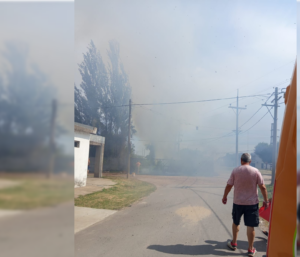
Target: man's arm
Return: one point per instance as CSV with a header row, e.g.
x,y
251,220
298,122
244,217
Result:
x,y
264,192
226,192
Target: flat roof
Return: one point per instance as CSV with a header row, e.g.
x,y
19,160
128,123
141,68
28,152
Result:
x,y
85,128
96,140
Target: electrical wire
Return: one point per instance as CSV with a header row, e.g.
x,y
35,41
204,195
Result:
x,y
266,74
256,112
186,102
255,123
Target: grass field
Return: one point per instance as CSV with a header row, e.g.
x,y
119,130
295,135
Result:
x,y
36,192
265,172
270,194
124,193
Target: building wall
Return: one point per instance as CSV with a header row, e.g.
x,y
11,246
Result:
x,y
81,157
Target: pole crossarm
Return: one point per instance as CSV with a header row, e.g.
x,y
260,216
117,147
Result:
x,y
271,105
234,107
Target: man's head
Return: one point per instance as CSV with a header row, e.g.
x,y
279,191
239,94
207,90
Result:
x,y
246,158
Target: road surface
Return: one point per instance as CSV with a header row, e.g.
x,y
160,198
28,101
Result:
x,y
184,216
45,232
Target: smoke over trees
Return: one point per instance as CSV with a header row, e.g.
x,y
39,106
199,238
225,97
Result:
x,y
25,103
101,89
264,151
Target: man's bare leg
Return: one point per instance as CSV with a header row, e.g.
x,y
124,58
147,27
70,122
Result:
x,y
251,236
235,231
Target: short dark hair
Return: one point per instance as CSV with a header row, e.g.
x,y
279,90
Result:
x,y
246,157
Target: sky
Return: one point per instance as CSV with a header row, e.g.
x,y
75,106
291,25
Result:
x,y
195,50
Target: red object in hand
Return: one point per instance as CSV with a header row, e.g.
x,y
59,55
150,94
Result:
x,y
224,200
266,205
265,210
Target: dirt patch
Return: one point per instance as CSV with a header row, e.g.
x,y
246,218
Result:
x,y
5,183
193,213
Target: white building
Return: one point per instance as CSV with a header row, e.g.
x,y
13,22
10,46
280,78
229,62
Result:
x,y
83,138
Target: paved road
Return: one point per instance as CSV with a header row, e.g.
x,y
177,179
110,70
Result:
x,y
45,232
184,216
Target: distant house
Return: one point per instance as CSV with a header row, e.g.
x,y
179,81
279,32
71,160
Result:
x,y
85,137
258,163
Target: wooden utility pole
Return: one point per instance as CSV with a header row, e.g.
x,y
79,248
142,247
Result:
x,y
129,135
274,134
237,128
274,159
51,140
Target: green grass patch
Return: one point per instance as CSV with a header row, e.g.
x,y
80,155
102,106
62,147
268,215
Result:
x,y
124,193
270,194
34,193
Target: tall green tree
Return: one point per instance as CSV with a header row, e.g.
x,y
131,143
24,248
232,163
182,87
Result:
x,y
94,89
120,90
264,151
100,91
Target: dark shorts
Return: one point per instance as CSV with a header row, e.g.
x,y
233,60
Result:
x,y
250,212
298,212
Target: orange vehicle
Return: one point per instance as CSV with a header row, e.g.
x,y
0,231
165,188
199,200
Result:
x,y
282,228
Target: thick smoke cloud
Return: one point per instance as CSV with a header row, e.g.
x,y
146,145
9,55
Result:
x,y
185,51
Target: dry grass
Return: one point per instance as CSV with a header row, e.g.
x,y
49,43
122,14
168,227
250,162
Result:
x,y
36,192
270,194
265,172
124,193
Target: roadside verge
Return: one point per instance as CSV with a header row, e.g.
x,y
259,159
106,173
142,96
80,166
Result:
x,y
96,206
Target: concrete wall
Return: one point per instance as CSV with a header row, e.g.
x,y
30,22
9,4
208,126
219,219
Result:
x,y
81,157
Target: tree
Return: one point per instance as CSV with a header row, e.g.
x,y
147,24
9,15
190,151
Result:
x,y
90,102
264,151
100,91
151,155
79,103
25,103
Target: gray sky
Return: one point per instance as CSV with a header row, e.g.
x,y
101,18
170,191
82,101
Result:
x,y
194,50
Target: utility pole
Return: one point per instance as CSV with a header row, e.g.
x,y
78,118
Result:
x,y
275,137
237,127
271,139
51,139
247,141
178,144
129,135
274,128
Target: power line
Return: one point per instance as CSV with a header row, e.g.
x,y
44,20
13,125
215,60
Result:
x,y
256,112
267,73
255,123
186,102
277,84
251,116
201,101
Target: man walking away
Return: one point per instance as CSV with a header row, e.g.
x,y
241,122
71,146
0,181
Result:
x,y
245,179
